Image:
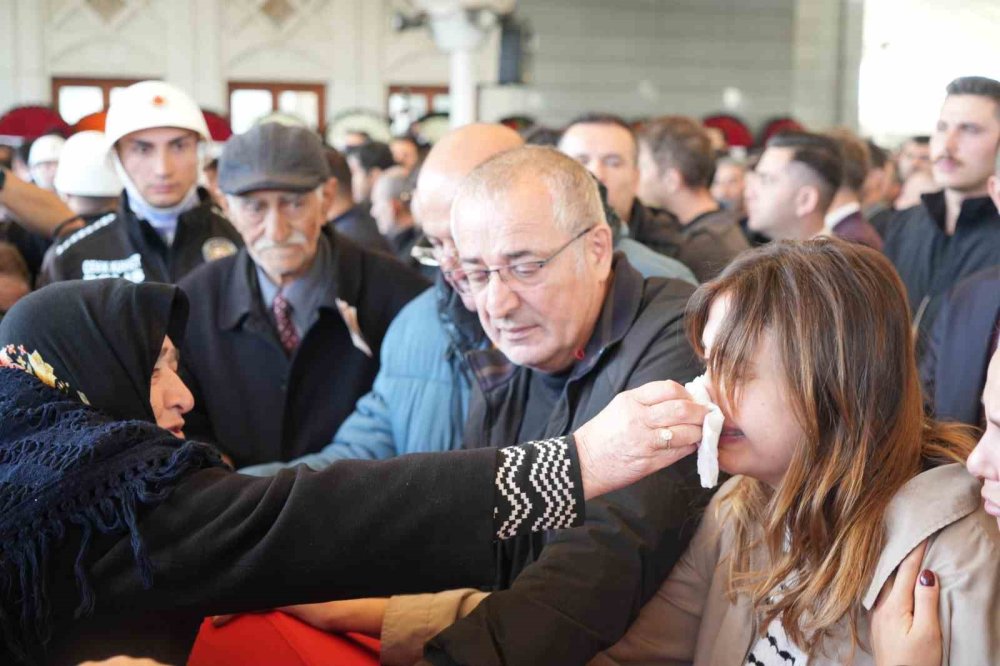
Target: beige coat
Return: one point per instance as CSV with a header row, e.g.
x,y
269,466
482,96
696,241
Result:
x,y
690,620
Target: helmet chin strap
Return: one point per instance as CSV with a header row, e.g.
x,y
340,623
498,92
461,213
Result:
x,y
162,219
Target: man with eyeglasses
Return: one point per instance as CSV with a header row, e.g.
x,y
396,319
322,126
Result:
x,y
572,325
284,337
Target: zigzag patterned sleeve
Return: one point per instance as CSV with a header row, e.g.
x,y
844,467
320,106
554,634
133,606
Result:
x,y
539,487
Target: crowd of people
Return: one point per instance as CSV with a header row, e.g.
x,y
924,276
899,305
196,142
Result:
x,y
299,395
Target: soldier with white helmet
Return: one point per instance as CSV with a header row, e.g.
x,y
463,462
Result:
x,y
43,158
165,225
85,178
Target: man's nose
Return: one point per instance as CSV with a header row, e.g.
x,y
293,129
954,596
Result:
x,y
275,225
501,300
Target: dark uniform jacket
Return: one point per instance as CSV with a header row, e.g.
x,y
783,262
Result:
x,y
964,335
930,261
121,245
584,588
257,404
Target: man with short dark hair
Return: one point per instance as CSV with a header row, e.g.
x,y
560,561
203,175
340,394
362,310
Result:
x,y
676,163
607,147
914,155
954,232
367,163
844,218
880,189
284,337
962,341
792,186
728,184
405,151
347,216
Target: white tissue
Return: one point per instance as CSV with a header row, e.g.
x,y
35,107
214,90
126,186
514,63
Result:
x,y
708,452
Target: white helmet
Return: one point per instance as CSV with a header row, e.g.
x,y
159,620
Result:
x,y
149,104
85,168
45,149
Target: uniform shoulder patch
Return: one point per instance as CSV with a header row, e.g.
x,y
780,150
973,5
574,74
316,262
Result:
x,y
88,230
217,247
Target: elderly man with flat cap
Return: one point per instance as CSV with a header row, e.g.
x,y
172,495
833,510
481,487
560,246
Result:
x,y
284,336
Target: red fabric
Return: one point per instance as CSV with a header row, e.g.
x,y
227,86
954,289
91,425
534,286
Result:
x,y
735,130
218,127
277,639
31,122
781,124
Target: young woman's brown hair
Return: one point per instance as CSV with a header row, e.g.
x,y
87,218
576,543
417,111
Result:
x,y
839,315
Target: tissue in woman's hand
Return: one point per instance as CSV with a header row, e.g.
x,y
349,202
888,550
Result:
x,y
708,452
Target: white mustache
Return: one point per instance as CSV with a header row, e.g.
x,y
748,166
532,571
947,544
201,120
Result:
x,y
295,239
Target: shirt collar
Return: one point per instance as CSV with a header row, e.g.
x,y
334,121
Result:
x,y
339,276
840,213
305,293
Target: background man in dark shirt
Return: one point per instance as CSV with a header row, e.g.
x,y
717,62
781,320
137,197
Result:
x,y
606,146
955,232
676,162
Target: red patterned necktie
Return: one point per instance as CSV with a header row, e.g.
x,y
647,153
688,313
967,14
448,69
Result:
x,y
283,318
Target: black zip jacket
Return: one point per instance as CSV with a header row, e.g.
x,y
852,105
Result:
x,y
121,245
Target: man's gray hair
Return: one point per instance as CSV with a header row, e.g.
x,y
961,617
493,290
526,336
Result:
x,y
576,201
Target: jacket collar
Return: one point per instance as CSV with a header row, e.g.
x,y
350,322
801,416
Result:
x,y
926,504
620,308
241,292
974,211
138,227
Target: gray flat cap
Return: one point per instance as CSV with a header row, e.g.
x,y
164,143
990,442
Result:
x,y
272,156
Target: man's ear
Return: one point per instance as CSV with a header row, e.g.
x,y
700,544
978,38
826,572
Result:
x,y
993,187
806,200
330,192
672,180
600,245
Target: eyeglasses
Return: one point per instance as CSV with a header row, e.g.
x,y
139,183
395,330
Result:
x,y
423,252
427,253
526,273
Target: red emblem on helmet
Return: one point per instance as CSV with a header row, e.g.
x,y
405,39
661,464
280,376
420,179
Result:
x,y
159,100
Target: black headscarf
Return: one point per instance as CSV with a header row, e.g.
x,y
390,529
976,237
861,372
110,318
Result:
x,y
101,338
78,444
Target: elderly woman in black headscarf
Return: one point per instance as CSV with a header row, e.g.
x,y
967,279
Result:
x,y
117,536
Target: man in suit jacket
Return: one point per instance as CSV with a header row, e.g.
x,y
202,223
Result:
x,y
284,337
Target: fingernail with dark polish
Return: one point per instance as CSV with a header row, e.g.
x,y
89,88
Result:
x,y
927,578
